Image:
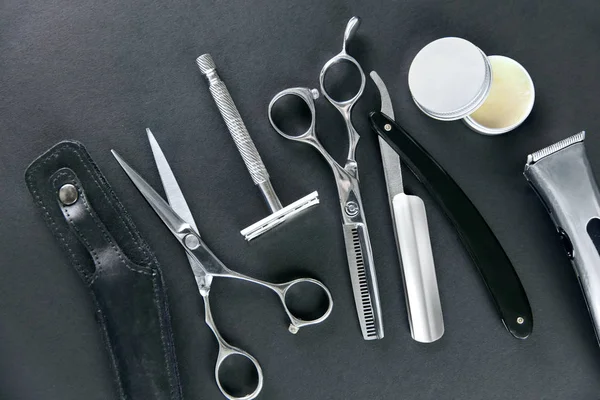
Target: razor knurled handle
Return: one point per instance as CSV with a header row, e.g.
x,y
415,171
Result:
x,y
233,120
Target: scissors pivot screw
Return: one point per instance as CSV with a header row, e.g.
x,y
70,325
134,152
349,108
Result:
x,y
520,320
67,194
191,242
387,127
351,209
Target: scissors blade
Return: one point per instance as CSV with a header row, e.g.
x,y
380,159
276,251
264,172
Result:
x,y
177,202
364,280
172,189
169,217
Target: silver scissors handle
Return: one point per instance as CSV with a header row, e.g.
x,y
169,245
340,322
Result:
x,y
310,136
282,290
212,266
226,350
346,178
345,106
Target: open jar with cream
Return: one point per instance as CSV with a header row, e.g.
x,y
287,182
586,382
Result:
x,y
452,79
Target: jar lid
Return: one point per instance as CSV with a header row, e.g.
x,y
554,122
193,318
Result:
x,y
449,78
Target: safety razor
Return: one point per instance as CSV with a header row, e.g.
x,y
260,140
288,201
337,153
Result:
x,y
561,175
250,155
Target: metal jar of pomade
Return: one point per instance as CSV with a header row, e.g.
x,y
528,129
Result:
x,y
452,79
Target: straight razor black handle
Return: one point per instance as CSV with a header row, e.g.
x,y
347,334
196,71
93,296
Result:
x,y
493,264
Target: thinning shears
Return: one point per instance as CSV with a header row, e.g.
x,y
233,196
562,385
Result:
x,y
356,234
177,216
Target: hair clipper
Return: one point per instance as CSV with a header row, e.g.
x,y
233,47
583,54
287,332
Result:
x,y
562,177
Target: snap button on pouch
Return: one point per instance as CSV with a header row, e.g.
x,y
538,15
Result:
x,y
68,194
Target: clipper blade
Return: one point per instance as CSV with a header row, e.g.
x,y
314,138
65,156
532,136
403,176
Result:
x,y
280,216
546,151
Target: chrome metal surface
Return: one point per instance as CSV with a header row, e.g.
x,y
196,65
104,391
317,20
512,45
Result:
x,y
562,177
345,107
358,245
421,291
449,78
233,120
413,244
384,95
364,280
191,242
358,253
170,185
68,194
177,203
205,264
227,350
269,195
249,154
391,160
279,217
546,151
346,177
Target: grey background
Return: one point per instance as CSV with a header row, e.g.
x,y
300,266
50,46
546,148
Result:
x,y
100,72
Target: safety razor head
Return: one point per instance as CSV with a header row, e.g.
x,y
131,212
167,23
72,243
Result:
x,y
280,216
546,151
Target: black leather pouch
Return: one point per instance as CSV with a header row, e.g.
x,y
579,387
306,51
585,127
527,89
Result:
x,y
114,262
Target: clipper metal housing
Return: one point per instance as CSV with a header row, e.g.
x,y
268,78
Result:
x,y
562,177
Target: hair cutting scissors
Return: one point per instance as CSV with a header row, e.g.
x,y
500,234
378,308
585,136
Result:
x,y
177,216
356,235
